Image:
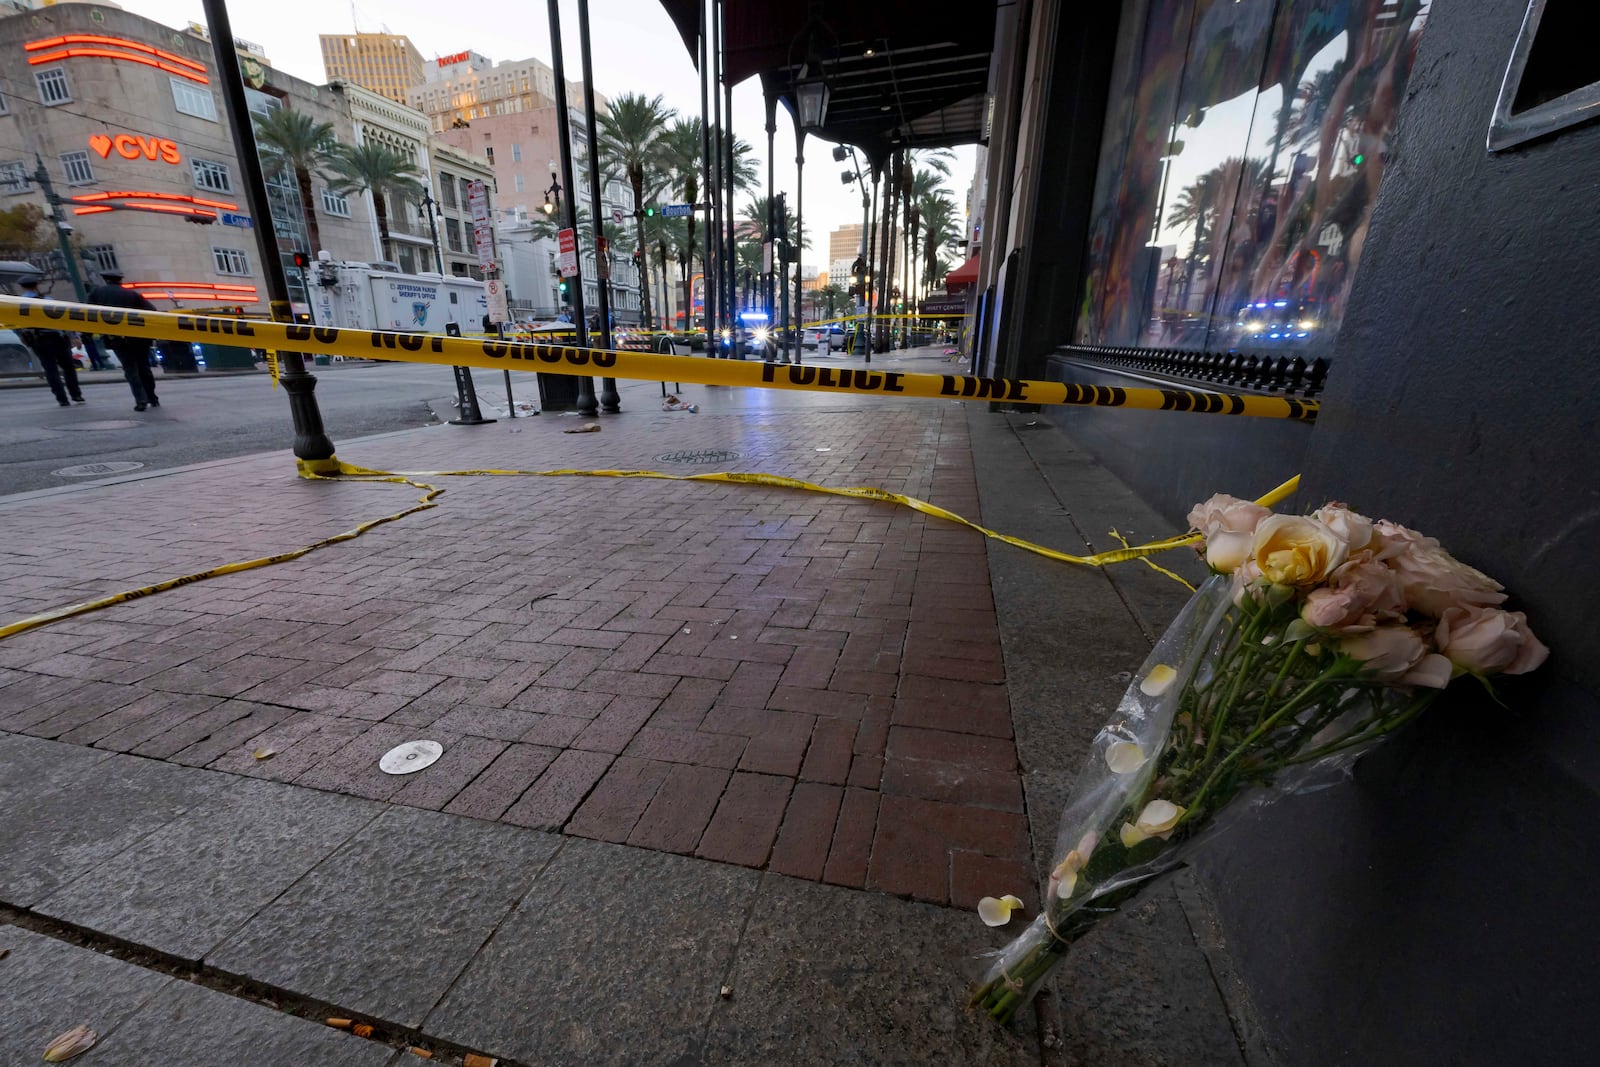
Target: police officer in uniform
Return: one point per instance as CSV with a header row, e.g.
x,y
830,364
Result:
x,y
53,350
133,352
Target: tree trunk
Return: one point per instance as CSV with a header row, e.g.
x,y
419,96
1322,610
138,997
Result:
x,y
302,178
380,208
637,181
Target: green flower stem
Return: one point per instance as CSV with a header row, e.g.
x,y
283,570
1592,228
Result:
x,y
1294,703
1272,690
1362,736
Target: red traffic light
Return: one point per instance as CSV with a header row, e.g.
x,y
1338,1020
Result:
x,y
301,260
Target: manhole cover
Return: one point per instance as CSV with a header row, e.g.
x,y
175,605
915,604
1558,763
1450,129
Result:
x,y
700,455
96,470
104,424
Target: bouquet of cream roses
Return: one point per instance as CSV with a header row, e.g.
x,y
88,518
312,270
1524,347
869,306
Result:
x,y
1315,637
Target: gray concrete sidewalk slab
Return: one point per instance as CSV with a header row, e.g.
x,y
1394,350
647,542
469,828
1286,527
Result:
x,y
53,836
384,925
613,948
189,885
143,1017
828,976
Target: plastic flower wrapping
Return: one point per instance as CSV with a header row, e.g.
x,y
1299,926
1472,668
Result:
x,y
1315,637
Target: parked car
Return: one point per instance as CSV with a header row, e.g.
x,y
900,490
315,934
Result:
x,y
816,336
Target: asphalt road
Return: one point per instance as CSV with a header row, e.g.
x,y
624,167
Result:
x,y
201,418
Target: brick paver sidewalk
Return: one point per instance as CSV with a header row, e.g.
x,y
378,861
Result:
x,y
757,676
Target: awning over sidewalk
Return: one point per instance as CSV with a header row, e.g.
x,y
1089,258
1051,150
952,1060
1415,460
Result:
x,y
962,276
899,73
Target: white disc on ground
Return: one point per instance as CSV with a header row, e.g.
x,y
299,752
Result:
x,y
411,756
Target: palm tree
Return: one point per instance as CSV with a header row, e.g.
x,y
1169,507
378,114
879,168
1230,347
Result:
x,y
678,154
628,135
939,234
754,221
835,297
296,143
379,169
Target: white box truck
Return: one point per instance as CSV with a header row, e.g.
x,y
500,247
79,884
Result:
x,y
361,296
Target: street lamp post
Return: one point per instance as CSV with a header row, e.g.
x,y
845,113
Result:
x,y
311,441
610,400
430,208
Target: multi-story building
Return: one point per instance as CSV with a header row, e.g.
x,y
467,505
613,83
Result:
x,y
134,140
524,151
375,118
386,63
466,87
844,243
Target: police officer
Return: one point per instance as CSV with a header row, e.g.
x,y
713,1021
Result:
x,y
53,350
133,352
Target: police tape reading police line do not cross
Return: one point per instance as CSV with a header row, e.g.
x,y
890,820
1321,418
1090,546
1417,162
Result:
x,y
647,366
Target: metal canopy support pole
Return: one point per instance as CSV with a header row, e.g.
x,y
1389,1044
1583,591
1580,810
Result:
x,y
769,277
723,267
587,405
866,227
797,239
610,402
730,188
708,302
311,441
870,239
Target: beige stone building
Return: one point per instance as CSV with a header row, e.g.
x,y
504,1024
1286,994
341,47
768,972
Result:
x,y
386,63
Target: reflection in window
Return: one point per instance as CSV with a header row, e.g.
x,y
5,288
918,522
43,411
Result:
x,y
1241,159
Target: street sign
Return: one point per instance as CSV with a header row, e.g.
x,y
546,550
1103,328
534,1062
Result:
x,y
602,260
482,232
616,215
495,290
567,253
677,211
244,222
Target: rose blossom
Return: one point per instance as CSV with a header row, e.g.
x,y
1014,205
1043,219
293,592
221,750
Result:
x,y
1360,594
1354,529
1489,641
1432,579
1388,652
1294,550
1227,523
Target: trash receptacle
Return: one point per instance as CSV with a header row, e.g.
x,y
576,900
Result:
x,y
558,392
321,360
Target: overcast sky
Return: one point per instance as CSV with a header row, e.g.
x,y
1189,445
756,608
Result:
x,y
636,49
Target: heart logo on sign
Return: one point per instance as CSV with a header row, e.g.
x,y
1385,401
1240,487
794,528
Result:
x,y
101,143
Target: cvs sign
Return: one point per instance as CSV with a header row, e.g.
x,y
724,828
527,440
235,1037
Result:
x,y
128,146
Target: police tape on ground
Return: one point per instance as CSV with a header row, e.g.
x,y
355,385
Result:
x,y
570,359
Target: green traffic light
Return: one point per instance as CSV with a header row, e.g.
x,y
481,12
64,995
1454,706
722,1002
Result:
x,y
1360,159
649,212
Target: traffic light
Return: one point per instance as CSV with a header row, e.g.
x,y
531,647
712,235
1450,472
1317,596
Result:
x,y
650,211
301,260
566,293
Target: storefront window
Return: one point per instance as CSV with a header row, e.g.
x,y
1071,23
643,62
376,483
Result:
x,y
1243,149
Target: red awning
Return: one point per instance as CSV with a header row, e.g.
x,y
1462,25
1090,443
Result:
x,y
966,274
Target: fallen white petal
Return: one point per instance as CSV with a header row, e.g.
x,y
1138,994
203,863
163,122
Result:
x,y
1158,681
994,912
1131,835
1124,757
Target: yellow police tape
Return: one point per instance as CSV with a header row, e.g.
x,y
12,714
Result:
x,y
334,469
567,359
